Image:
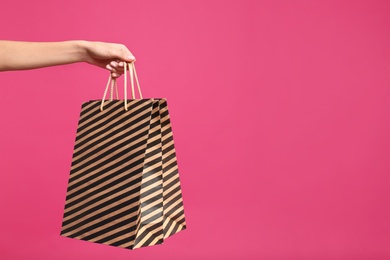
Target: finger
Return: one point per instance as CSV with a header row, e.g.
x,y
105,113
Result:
x,y
115,75
119,70
108,66
114,72
116,67
114,64
113,69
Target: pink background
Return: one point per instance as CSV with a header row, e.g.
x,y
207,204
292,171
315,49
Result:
x,y
280,113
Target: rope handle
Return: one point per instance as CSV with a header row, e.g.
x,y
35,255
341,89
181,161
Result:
x,y
114,85
112,81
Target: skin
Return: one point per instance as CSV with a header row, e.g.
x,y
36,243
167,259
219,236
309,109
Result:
x,y
19,55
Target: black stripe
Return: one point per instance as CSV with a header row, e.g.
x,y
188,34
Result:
x,y
125,129
108,185
175,228
172,183
83,204
108,229
152,190
170,203
99,170
163,115
168,225
168,149
152,237
122,241
166,167
163,103
112,154
111,108
147,231
179,218
86,193
157,160
179,214
167,140
85,110
153,172
172,174
102,214
104,127
151,210
96,112
171,193
113,113
116,141
152,218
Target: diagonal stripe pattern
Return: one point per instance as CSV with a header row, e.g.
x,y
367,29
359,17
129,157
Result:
x,y
124,187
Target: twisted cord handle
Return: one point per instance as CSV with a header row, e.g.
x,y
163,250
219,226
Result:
x,y
133,74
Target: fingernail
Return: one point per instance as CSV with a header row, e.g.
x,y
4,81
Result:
x,y
113,64
131,57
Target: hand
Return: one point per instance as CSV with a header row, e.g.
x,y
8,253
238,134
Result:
x,y
109,56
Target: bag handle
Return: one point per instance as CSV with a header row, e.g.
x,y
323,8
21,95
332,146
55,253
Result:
x,y
133,73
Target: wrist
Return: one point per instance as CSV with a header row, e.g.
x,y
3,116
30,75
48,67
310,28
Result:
x,y
81,48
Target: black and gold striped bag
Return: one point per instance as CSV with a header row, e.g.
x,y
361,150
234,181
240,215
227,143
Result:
x,y
124,187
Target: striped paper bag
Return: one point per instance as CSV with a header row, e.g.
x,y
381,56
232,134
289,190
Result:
x,y
124,187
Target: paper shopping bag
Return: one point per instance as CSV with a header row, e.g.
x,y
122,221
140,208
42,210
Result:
x,y
124,187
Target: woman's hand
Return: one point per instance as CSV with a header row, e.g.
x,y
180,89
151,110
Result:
x,y
108,55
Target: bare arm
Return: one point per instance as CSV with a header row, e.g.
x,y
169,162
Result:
x,y
18,55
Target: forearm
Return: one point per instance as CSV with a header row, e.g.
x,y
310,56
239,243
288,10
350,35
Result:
x,y
18,55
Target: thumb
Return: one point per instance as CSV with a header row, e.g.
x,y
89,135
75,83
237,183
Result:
x,y
128,58
124,54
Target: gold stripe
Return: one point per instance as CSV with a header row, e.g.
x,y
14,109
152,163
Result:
x,y
109,140
152,176
107,173
78,140
171,178
168,153
103,192
166,221
169,232
153,194
74,231
148,167
166,145
114,231
113,107
166,191
84,108
145,219
111,112
173,160
173,204
144,229
154,203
